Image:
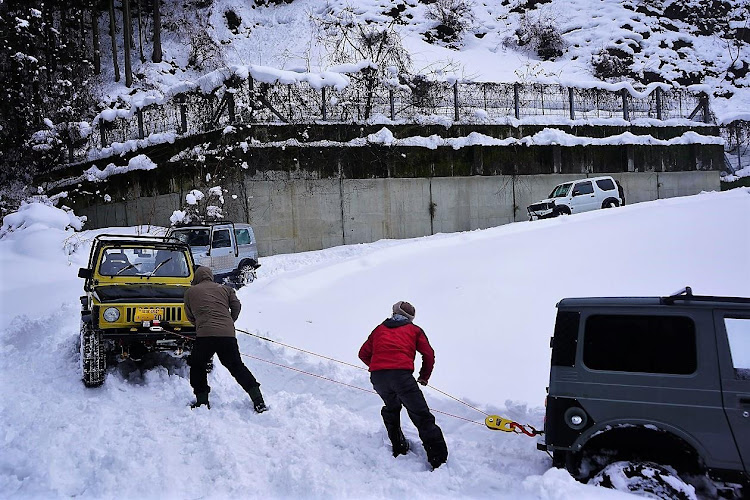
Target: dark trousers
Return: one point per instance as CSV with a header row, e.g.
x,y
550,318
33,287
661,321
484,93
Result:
x,y
397,388
229,355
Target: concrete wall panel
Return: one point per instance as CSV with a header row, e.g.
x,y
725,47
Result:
x,y
295,215
639,186
673,184
465,203
385,208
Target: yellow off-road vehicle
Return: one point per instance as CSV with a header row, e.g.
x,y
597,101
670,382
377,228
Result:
x,y
134,298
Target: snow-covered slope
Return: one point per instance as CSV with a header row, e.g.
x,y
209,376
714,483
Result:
x,y
678,42
485,298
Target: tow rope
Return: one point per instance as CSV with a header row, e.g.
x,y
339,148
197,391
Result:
x,y
494,422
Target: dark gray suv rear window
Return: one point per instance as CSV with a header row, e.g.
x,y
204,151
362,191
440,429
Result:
x,y
639,343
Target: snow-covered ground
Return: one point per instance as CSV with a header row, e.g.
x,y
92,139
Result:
x,y
485,298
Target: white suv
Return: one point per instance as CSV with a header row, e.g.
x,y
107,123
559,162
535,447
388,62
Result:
x,y
579,196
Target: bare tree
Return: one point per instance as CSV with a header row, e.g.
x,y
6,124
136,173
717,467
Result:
x,y
127,36
112,33
95,37
140,31
156,56
350,40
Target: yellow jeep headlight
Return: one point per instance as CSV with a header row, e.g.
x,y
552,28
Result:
x,y
111,314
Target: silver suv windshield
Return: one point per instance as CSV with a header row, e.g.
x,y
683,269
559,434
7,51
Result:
x,y
560,190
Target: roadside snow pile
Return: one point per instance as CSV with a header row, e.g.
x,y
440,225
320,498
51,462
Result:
x,y
38,215
37,244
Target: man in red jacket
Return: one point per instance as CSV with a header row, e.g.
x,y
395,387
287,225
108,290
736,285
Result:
x,y
389,353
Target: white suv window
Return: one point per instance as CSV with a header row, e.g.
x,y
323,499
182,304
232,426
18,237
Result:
x,y
561,190
605,184
583,188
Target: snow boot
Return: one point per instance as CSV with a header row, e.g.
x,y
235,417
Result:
x,y
201,398
437,453
400,446
258,404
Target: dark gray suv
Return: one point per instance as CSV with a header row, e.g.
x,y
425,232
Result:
x,y
657,380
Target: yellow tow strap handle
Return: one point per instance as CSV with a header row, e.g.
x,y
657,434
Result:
x,y
498,423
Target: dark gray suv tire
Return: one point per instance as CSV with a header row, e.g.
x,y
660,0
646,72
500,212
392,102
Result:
x,y
644,478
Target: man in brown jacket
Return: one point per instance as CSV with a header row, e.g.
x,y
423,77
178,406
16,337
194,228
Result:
x,y
213,309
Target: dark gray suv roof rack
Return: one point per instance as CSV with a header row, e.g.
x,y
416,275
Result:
x,y
686,294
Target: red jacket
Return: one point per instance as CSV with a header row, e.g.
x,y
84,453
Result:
x,y
393,346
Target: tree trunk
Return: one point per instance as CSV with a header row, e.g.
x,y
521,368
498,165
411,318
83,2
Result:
x,y
140,32
95,37
127,38
49,42
156,56
114,38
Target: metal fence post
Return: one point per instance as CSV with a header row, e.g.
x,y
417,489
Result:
x,y
572,103
516,86
706,110
658,103
183,113
103,132
625,110
251,90
139,114
230,107
739,142
455,101
393,104
323,103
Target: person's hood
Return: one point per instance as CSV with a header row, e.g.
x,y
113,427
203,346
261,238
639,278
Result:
x,y
393,323
202,273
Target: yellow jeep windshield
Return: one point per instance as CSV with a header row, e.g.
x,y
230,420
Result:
x,y
144,261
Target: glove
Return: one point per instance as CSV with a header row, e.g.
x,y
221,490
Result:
x,y
422,381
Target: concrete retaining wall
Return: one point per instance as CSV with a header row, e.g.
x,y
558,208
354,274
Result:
x,y
303,195
310,214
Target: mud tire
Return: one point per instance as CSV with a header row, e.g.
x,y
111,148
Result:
x,y
93,357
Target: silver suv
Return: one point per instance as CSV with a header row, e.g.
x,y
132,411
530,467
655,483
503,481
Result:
x,y
229,249
646,383
579,196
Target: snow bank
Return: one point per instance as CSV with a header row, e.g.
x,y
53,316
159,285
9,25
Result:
x,y
37,216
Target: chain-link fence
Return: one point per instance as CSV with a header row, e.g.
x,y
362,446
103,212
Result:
x,y
249,101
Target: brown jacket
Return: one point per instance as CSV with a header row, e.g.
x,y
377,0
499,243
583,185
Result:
x,y
211,307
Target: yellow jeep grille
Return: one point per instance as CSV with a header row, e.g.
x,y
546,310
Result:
x,y
133,315
171,313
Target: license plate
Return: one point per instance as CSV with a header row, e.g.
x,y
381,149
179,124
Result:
x,y
149,314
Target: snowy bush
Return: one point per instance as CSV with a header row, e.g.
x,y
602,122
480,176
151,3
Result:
x,y
351,39
611,63
454,17
539,34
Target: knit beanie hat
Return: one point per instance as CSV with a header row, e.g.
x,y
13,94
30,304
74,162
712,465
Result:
x,y
404,309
